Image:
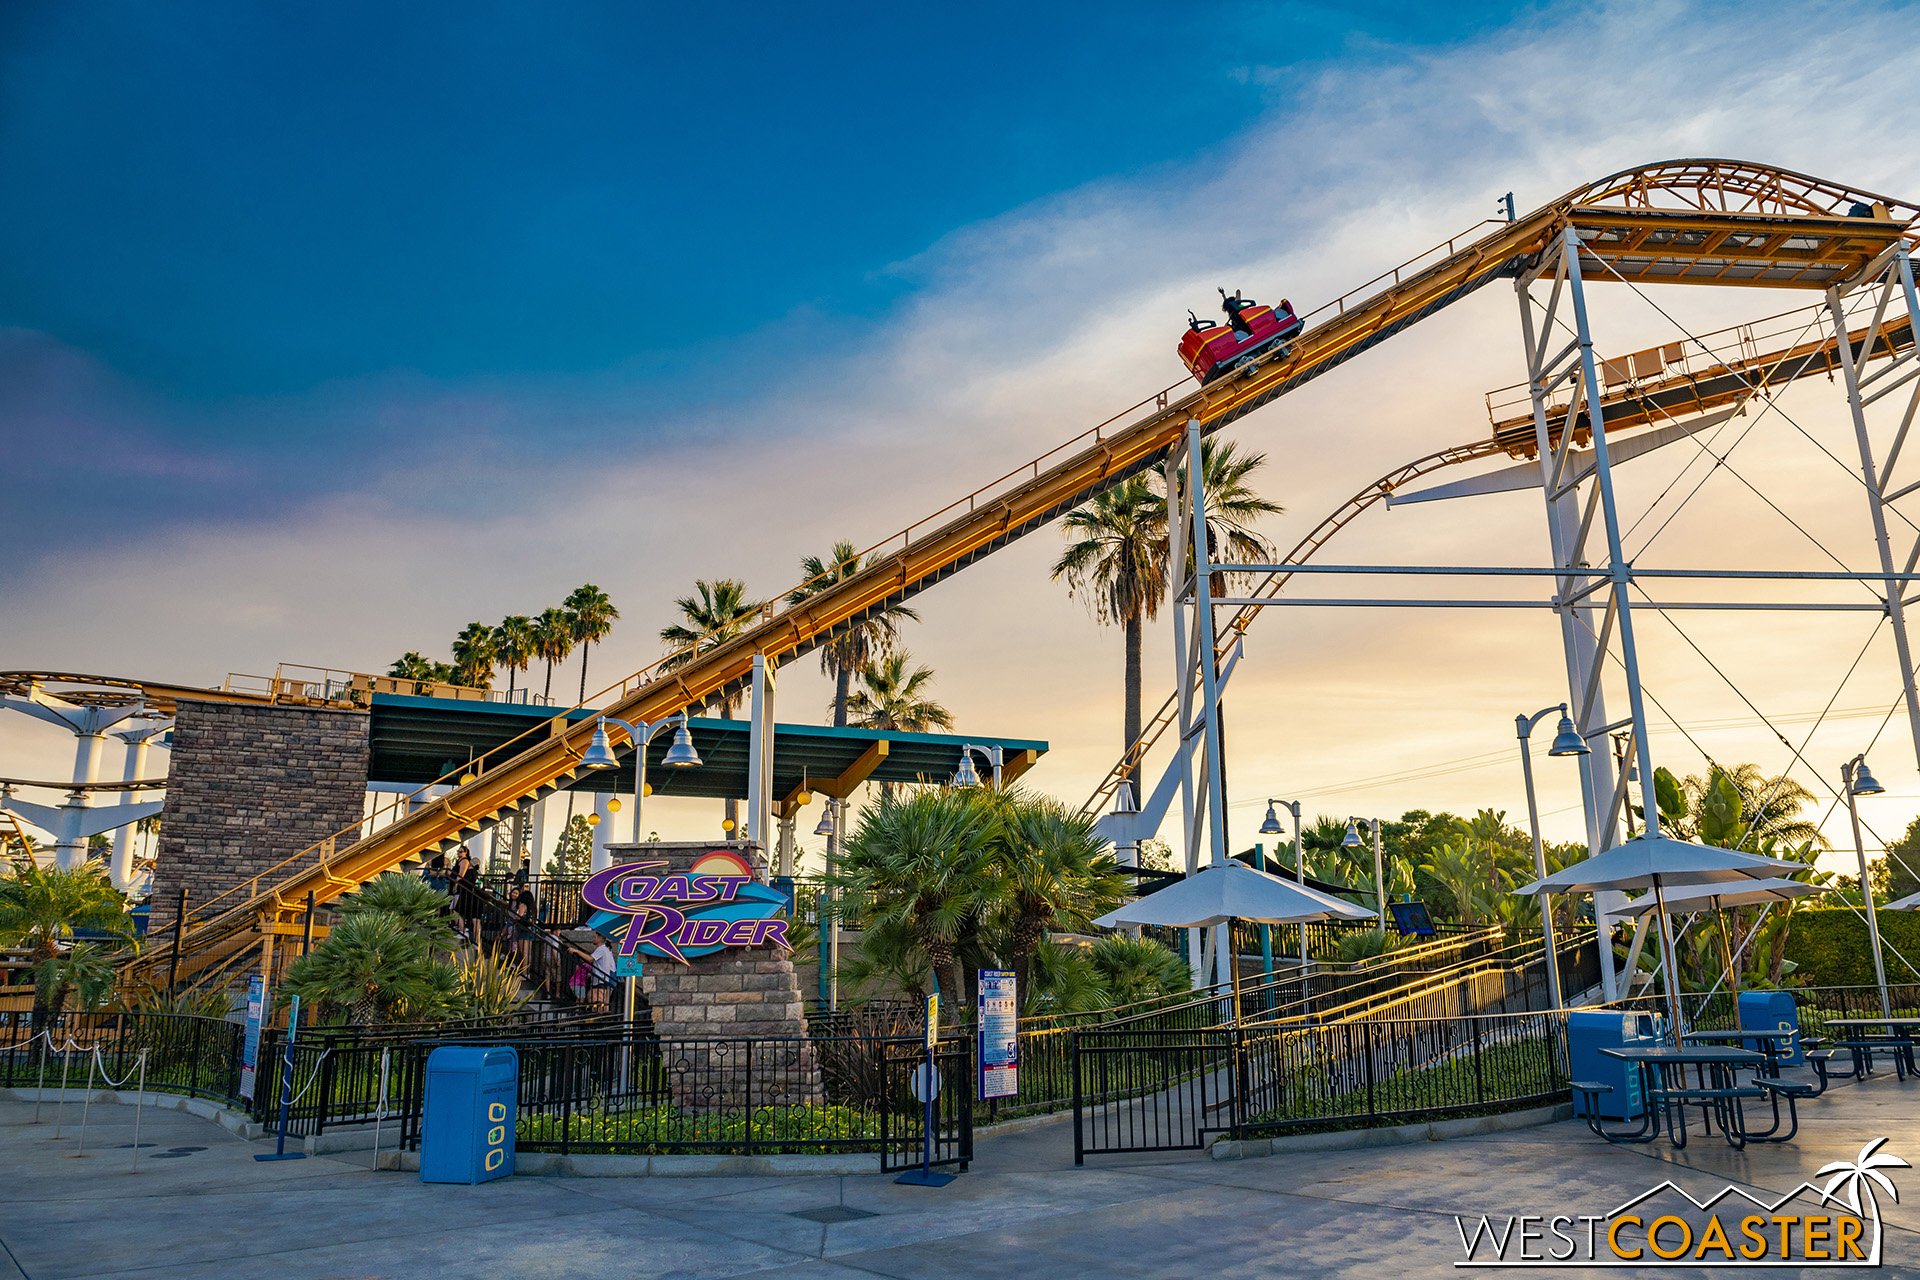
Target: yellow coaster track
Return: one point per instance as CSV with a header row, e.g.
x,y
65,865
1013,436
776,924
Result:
x,y
1690,221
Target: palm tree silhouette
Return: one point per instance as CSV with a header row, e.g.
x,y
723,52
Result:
x,y
865,642
593,616
892,695
473,655
1854,1180
513,645
552,641
717,612
1118,551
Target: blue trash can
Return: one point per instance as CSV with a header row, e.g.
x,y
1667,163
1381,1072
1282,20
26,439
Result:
x,y
468,1115
1588,1032
1773,1011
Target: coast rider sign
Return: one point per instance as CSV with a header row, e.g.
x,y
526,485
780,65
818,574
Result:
x,y
714,905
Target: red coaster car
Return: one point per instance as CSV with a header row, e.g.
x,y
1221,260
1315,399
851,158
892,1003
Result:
x,y
1213,350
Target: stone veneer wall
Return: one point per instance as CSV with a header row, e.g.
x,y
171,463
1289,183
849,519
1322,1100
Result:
x,y
707,1011
249,785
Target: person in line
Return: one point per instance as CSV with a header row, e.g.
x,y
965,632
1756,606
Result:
x,y
523,926
468,901
602,976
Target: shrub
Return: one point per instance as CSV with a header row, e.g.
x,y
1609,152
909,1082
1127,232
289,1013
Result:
x,y
1830,948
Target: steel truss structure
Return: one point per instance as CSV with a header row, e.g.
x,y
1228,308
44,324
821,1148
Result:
x,y
1594,582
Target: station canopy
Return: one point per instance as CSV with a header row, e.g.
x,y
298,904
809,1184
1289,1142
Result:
x,y
419,740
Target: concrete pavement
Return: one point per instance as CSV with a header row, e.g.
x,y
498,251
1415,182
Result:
x,y
200,1206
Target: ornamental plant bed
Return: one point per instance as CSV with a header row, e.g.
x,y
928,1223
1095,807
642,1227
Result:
x,y
665,1130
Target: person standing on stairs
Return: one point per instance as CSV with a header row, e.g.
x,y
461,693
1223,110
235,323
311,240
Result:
x,y
467,902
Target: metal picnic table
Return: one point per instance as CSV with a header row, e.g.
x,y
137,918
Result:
x,y
1715,1088
1899,1040
1775,1044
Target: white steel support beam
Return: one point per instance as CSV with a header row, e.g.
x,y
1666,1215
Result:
x,y
120,866
1582,647
1203,654
1620,572
1896,279
1184,746
760,733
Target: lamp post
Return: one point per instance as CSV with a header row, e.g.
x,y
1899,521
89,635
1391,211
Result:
x,y
1271,827
680,754
1859,781
965,776
599,756
828,913
1352,840
1566,742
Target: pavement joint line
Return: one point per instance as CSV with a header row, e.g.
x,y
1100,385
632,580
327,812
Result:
x,y
14,1259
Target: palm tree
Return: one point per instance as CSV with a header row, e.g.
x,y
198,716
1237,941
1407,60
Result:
x,y
411,665
593,616
1050,871
473,656
513,646
920,867
1117,554
717,612
863,642
552,642
893,696
374,967
1137,969
1118,549
42,907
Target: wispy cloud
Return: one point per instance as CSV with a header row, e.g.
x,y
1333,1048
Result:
x,y
397,509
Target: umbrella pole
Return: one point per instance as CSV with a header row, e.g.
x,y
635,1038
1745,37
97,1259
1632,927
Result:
x,y
1668,969
1726,949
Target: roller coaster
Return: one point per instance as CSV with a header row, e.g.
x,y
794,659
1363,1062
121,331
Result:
x,y
1700,222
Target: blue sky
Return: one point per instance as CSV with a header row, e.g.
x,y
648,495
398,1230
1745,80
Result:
x,y
327,329
217,202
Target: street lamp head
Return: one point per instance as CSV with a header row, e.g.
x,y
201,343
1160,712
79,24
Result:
x,y
1271,827
680,754
1566,739
599,752
1352,838
965,776
1864,783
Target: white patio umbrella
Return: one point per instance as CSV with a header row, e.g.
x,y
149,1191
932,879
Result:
x,y
1716,898
1233,891
1909,903
1660,862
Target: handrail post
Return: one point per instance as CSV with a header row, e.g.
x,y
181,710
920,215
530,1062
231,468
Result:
x,y
1079,1137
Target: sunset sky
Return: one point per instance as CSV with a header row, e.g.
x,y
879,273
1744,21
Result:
x,y
326,331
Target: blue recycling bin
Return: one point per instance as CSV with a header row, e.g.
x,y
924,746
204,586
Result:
x,y
1588,1032
1773,1011
468,1116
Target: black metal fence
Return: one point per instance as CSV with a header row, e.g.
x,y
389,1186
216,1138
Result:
x,y
1152,1090
196,1056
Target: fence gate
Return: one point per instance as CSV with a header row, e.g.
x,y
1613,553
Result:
x,y
1150,1090
903,1116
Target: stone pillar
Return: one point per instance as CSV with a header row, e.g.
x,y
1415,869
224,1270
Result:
x,y
250,785
732,1025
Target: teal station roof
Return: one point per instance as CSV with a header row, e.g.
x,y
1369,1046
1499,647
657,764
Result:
x,y
418,740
